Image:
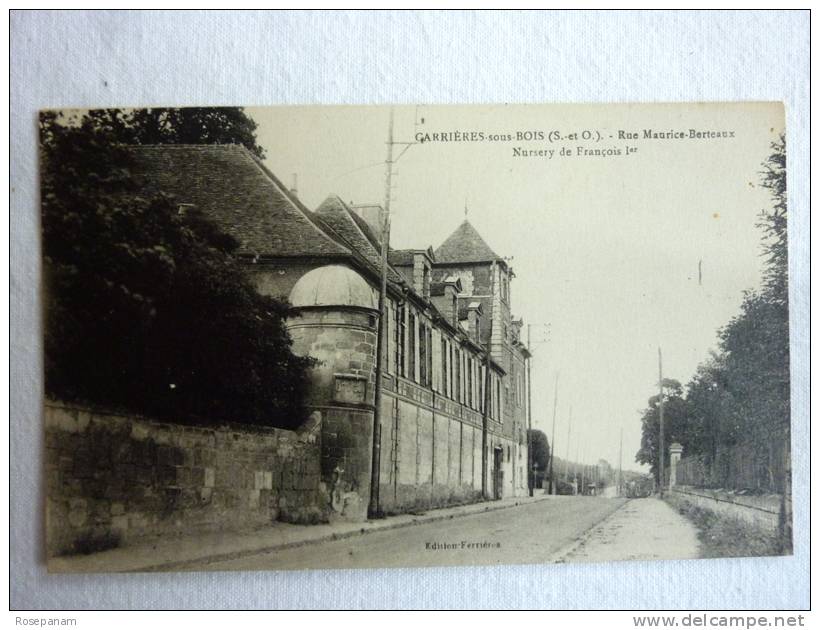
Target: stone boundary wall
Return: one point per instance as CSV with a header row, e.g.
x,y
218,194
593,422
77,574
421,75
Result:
x,y
113,479
759,511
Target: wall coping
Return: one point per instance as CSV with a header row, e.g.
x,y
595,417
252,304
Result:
x,y
131,416
769,503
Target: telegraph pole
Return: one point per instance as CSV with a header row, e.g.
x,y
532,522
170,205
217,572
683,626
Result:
x,y
552,446
530,474
575,466
373,509
569,433
621,464
660,415
583,471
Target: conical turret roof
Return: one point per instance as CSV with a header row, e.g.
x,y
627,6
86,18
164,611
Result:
x,y
465,245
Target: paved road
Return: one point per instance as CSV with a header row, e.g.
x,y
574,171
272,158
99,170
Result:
x,y
534,533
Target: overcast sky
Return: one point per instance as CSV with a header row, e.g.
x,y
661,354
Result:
x,y
605,249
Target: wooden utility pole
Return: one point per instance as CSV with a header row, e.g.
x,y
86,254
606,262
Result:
x,y
583,471
552,446
487,386
621,464
575,465
661,447
569,433
373,509
530,473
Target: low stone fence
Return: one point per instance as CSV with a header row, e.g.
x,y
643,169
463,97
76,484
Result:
x,y
113,479
761,511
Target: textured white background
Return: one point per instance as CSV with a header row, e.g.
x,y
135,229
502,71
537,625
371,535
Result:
x,y
114,59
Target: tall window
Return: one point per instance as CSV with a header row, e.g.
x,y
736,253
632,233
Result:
x,y
423,352
411,350
470,400
481,384
390,335
457,375
451,388
400,344
498,415
444,374
429,345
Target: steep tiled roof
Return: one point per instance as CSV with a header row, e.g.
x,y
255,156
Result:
x,y
235,191
465,245
342,222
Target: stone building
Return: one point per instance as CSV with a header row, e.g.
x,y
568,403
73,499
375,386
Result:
x,y
445,308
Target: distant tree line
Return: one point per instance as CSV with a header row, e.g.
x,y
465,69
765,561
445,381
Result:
x,y
739,395
147,310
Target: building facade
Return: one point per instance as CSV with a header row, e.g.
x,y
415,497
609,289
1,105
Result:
x,y
454,401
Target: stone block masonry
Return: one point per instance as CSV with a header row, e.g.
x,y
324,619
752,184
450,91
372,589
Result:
x,y
114,479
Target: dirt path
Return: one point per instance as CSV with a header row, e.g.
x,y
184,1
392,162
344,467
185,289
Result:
x,y
643,529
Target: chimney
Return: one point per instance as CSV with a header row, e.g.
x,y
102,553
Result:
x,y
421,274
451,304
372,214
294,190
444,296
474,312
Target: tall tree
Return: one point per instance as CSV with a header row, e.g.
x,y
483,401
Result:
x,y
180,125
773,221
540,451
675,418
736,407
147,310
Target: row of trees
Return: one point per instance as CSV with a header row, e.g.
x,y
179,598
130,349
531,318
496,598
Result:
x,y
146,309
739,397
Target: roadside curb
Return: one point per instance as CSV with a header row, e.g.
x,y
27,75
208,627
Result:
x,y
369,527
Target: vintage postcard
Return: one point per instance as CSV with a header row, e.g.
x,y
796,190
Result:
x,y
372,336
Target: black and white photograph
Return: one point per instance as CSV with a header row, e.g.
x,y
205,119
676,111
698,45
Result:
x,y
346,337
